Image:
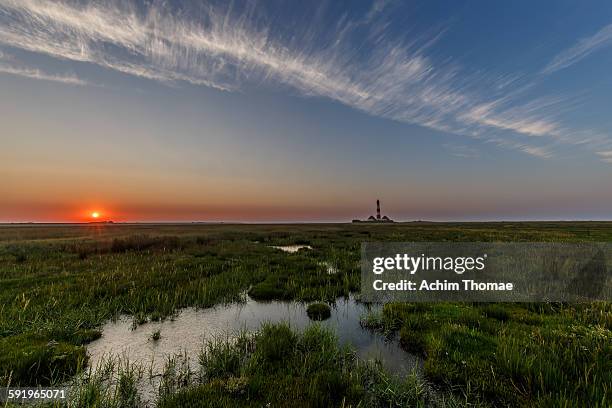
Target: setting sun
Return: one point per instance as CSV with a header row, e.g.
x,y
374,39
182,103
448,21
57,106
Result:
x,y
95,214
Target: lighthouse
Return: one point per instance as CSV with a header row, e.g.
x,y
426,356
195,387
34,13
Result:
x,y
378,217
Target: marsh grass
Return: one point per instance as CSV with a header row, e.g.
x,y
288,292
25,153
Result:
x,y
318,311
156,335
67,288
58,285
511,354
275,366
278,366
113,384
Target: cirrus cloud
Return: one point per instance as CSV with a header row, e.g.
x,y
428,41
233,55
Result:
x,y
224,49
582,49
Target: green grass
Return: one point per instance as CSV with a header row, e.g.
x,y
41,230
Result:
x,y
275,366
62,290
59,284
513,354
33,359
155,336
318,311
280,367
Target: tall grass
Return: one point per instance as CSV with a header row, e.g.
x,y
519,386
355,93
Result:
x,y
510,354
278,366
59,284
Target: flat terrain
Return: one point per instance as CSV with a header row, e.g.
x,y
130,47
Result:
x,y
60,283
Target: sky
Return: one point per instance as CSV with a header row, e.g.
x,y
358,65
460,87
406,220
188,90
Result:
x,y
273,111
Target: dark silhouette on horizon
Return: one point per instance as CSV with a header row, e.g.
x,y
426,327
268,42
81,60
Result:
x,y
378,218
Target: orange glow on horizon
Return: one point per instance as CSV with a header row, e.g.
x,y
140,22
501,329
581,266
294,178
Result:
x,y
95,214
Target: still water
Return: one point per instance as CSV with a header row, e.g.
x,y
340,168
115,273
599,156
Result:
x,y
291,248
187,332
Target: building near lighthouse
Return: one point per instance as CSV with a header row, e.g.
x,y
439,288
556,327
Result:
x,y
378,218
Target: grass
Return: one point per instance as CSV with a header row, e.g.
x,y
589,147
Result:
x,y
156,335
280,367
513,354
33,359
275,366
59,284
318,311
66,288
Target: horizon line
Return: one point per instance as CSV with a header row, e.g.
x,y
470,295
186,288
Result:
x,y
170,222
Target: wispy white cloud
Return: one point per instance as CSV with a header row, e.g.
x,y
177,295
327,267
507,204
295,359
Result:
x,y
518,119
541,152
38,74
393,79
605,156
9,65
536,151
581,50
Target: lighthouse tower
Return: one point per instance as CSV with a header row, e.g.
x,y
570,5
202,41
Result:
x,y
378,217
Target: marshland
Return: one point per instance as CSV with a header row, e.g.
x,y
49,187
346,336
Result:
x,y
263,325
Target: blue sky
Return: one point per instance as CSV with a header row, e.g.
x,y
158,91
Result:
x,y
297,111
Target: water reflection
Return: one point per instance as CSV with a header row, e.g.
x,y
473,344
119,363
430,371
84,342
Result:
x,y
191,327
291,248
